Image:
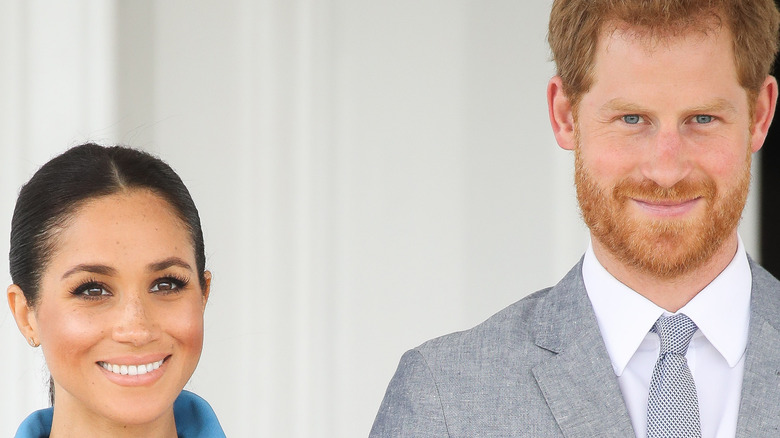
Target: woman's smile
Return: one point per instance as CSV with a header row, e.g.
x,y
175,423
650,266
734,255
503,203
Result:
x,y
132,370
144,374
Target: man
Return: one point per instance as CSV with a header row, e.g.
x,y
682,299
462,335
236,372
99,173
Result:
x,y
663,103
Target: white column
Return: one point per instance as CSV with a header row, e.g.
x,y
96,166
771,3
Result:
x,y
56,89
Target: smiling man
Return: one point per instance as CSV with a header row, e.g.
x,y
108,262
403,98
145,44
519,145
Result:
x,y
666,328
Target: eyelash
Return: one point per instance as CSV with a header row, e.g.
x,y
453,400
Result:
x,y
90,283
178,282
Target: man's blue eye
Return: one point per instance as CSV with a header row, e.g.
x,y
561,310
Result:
x,y
632,119
703,119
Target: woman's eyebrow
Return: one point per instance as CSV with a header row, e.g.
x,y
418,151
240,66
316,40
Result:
x,y
167,263
107,270
95,269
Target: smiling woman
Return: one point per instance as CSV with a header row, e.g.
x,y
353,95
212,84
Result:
x,y
108,265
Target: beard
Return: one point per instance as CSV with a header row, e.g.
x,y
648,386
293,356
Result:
x,y
667,247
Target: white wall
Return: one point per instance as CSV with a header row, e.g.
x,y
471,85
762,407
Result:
x,y
370,174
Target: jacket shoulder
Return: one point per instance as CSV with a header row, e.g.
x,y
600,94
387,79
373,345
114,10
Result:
x,y
480,381
476,382
765,295
513,324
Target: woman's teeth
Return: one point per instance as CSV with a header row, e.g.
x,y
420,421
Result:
x,y
132,370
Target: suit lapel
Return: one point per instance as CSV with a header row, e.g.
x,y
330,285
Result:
x,y
759,411
578,382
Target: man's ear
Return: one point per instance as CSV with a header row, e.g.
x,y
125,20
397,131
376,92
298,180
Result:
x,y
206,288
763,112
561,114
23,314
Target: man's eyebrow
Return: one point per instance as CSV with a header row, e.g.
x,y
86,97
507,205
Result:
x,y
167,263
623,106
716,106
95,269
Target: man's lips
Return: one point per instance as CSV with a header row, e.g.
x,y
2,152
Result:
x,y
667,208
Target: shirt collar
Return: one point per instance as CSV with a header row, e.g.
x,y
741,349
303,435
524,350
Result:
x,y
721,310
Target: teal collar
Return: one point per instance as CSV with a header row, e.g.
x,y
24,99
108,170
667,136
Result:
x,y
193,415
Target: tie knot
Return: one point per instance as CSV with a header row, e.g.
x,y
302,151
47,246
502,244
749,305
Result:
x,y
675,332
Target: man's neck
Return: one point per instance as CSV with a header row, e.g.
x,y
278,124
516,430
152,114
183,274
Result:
x,y
670,294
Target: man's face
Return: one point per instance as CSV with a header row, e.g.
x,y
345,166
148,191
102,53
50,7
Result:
x,y
663,148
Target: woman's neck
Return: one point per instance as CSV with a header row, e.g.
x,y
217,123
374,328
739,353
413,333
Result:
x,y
73,421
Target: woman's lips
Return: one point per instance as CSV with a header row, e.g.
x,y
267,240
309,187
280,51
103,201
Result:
x,y
133,372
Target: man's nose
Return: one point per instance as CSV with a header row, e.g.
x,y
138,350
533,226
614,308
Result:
x,y
667,161
135,322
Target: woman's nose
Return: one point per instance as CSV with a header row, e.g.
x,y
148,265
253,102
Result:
x,y
135,323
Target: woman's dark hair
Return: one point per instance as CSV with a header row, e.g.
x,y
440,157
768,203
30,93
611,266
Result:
x,y
82,173
47,202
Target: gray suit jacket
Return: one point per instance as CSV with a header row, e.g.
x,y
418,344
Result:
x,y
539,368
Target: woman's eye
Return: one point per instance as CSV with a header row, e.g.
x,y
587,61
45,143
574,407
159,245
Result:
x,y
91,291
703,119
167,285
632,119
95,292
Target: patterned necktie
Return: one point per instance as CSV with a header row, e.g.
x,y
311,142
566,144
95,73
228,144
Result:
x,y
672,406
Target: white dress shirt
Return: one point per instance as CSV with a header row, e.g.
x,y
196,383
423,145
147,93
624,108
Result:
x,y
716,354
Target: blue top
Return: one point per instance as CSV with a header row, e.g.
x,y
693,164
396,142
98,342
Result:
x,y
193,415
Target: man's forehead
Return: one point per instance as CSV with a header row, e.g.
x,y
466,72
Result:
x,y
658,35
638,65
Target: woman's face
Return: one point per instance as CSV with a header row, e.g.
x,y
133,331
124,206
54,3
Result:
x,y
120,316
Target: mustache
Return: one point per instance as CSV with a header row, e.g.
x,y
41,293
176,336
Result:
x,y
649,190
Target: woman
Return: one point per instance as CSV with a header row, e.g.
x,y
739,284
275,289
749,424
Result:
x,y
108,265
